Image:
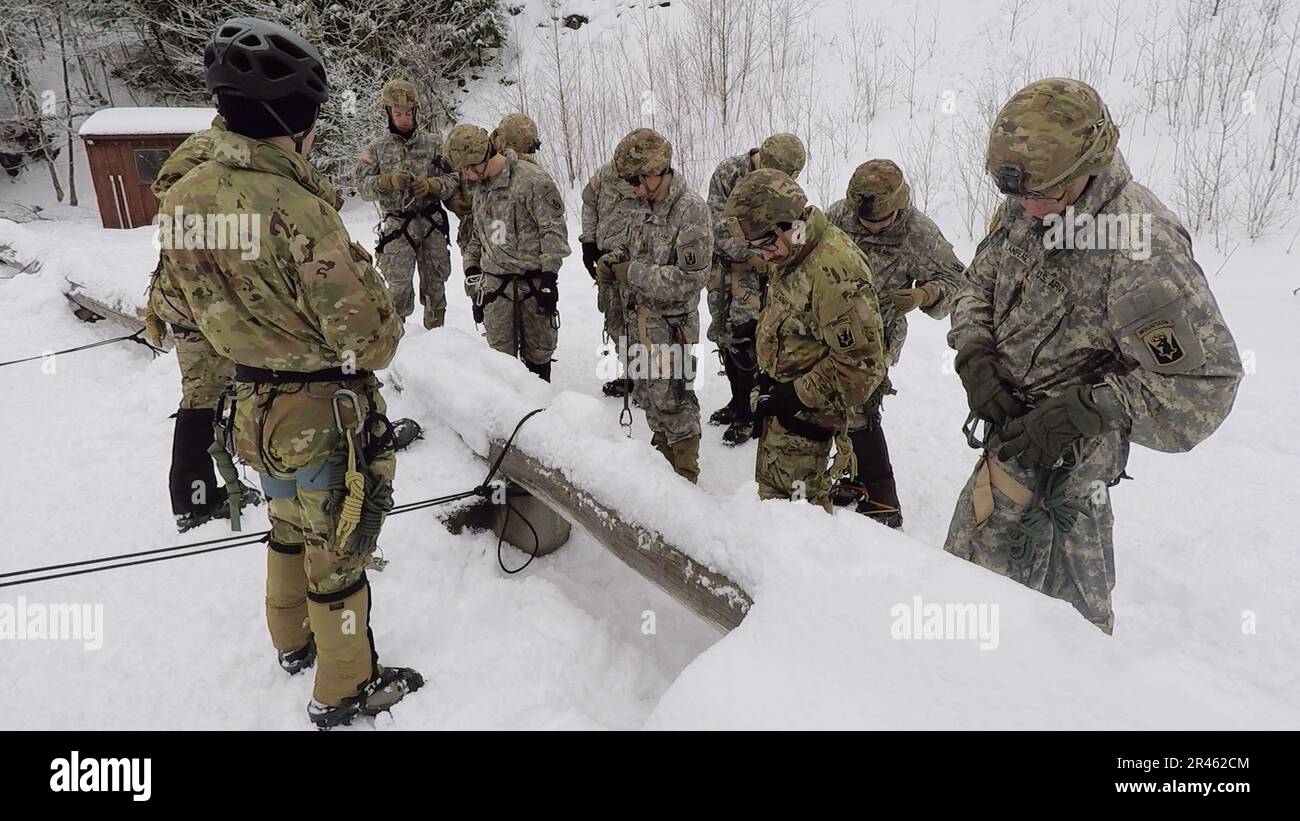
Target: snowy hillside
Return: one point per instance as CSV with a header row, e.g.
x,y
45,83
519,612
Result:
x,y
1208,595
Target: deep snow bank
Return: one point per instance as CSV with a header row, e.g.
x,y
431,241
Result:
x,y
834,596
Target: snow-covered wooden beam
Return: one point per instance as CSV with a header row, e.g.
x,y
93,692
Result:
x,y
709,594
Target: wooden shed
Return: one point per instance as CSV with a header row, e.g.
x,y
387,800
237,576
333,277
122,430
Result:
x,y
126,147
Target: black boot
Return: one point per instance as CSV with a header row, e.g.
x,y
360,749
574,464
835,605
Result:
x,y
722,416
883,512
218,510
739,432
390,687
543,370
406,431
295,661
617,388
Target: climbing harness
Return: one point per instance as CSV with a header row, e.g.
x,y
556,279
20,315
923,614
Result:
x,y
484,490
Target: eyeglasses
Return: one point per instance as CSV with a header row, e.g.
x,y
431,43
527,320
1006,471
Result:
x,y
767,242
1037,195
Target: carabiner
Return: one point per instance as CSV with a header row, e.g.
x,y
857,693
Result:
x,y
356,410
971,428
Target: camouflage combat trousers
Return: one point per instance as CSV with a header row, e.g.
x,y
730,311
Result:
x,y
315,586
536,337
789,466
399,261
204,372
662,367
1078,566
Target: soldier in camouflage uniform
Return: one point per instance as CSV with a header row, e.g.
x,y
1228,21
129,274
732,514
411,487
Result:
x,y
195,495
513,256
819,340
515,131
1070,355
405,173
662,271
914,267
305,319
737,281
608,209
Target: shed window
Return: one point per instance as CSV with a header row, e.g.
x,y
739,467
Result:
x,y
148,161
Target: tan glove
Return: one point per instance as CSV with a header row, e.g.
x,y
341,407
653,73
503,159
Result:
x,y
753,262
606,269
155,330
619,269
909,299
424,186
395,180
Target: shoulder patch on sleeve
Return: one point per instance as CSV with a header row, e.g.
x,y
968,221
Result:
x,y
844,336
1153,320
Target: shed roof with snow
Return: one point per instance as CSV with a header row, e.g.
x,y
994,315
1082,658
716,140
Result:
x,y
126,147
126,121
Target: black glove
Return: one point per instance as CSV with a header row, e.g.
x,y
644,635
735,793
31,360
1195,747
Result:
x,y
590,253
1041,436
474,272
548,291
988,384
778,399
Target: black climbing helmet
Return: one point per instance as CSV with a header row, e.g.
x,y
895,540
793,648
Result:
x,y
261,60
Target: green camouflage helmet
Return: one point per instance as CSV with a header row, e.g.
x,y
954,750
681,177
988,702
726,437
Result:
x,y
644,152
784,152
1049,134
398,94
877,189
518,132
761,202
467,145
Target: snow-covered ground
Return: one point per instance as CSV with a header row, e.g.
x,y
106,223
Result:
x,y
1208,596
1201,539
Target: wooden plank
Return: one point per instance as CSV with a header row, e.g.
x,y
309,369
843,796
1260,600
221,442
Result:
x,y
707,593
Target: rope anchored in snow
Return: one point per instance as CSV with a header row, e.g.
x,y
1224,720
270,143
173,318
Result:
x,y
485,490
135,337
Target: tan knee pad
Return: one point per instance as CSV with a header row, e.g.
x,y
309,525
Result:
x,y
286,596
345,654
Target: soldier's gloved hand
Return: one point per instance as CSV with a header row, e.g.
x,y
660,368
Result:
x,y
988,384
1041,436
753,262
548,291
619,270
395,180
909,299
424,186
605,267
778,399
590,256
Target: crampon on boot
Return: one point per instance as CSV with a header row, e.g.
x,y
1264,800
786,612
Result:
x,y
406,431
295,661
617,387
219,509
388,688
846,492
724,415
883,512
738,433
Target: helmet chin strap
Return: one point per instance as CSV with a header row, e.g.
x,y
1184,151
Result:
x,y
298,139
